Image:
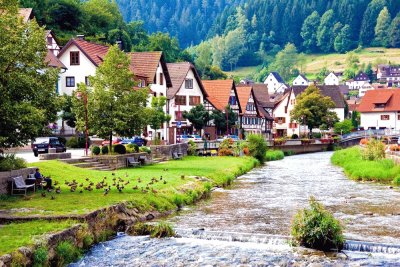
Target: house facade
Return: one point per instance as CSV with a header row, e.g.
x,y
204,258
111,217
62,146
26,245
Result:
x,y
380,109
251,119
331,79
301,80
358,81
389,75
187,91
275,83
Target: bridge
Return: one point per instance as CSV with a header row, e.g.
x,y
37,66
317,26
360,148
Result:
x,y
354,138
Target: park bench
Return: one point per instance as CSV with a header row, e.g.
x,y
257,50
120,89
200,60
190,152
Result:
x,y
132,162
18,184
177,155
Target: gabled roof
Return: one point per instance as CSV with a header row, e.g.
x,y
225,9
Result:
x,y
145,64
26,14
244,95
333,91
332,74
361,77
304,77
53,61
261,94
94,52
178,73
389,97
277,77
219,91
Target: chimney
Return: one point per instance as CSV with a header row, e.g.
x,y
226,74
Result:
x,y
80,37
119,43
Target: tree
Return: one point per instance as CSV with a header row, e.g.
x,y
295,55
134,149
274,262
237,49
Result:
x,y
395,32
28,101
219,119
382,28
285,61
203,56
198,117
367,31
63,15
214,73
137,34
343,42
235,47
157,116
325,34
118,35
313,109
344,127
309,31
355,119
163,42
67,114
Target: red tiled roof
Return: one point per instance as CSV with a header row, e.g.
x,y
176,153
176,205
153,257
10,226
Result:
x,y
391,99
218,92
244,95
94,52
53,61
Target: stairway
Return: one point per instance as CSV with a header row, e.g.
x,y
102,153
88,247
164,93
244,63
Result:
x,y
88,163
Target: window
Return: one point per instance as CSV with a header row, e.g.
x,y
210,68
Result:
x,y
293,101
141,83
280,120
70,81
293,125
155,94
74,58
87,81
189,83
49,40
379,105
232,100
161,94
161,79
385,117
398,117
180,100
178,116
194,100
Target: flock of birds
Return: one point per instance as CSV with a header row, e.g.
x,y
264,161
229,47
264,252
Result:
x,y
106,185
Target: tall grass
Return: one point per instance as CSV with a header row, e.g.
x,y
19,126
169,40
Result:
x,y
383,170
273,155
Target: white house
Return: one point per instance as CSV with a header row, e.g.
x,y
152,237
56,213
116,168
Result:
x,y
331,79
358,81
301,80
389,74
187,91
275,83
251,121
380,109
52,43
364,88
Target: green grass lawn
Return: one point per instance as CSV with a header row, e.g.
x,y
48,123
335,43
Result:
x,y
350,159
15,235
161,196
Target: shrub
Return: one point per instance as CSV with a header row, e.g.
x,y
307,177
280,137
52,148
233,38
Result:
x,y
306,141
104,150
145,149
295,136
289,153
363,141
66,252
191,148
279,141
226,147
375,150
72,142
316,135
273,155
40,256
161,230
120,149
257,146
317,228
96,150
11,162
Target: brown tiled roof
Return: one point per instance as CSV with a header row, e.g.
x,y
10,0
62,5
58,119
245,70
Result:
x,y
391,99
178,73
218,92
144,64
94,52
26,13
244,94
53,61
333,91
261,94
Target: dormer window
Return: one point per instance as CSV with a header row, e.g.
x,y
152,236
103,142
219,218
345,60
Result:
x,y
189,83
379,105
74,58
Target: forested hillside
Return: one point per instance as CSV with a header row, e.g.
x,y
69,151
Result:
x,y
188,20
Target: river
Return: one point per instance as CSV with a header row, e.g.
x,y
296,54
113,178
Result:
x,y
249,223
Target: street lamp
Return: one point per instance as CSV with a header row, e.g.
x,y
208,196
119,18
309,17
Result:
x,y
83,96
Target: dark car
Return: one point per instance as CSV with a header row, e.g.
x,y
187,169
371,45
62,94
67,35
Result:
x,y
41,145
135,140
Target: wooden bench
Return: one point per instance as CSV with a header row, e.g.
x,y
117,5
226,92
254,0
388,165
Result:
x,y
132,162
18,184
176,155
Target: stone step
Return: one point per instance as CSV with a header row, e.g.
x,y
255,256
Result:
x,y
101,168
86,164
72,161
90,160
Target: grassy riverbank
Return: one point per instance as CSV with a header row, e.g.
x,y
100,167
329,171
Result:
x,y
383,171
273,155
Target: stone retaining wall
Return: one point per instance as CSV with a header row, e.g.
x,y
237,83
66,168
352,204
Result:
x,y
50,156
119,161
165,152
302,149
5,177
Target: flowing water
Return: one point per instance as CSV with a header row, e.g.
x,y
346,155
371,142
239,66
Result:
x,y
249,224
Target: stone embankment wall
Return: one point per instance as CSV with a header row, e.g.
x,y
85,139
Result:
x,y
119,161
302,149
165,152
6,177
51,156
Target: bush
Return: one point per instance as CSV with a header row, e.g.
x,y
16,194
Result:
x,y
363,141
161,230
74,142
120,149
257,146
273,155
104,150
279,141
289,153
145,149
11,162
394,148
66,252
226,147
316,135
40,257
317,228
375,150
295,136
192,148
96,150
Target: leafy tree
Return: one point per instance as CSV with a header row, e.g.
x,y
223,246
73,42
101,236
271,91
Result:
x,y
369,71
235,46
344,127
382,28
120,35
343,42
322,73
395,32
204,56
367,31
157,116
285,61
313,109
309,31
67,114
219,119
325,35
28,101
137,34
198,117
214,73
163,42
355,119
63,15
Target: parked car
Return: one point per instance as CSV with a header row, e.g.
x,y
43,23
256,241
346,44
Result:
x,y
135,140
233,137
195,138
41,145
115,141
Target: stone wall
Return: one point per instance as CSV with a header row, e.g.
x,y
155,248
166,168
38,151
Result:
x,y
50,156
165,152
5,177
119,161
301,149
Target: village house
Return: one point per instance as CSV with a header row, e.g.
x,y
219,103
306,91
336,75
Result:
x,y
331,79
187,91
252,120
389,75
301,80
358,81
265,107
380,109
221,94
275,83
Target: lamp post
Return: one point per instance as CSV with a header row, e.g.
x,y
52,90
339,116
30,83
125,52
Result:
x,y
83,96
227,122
